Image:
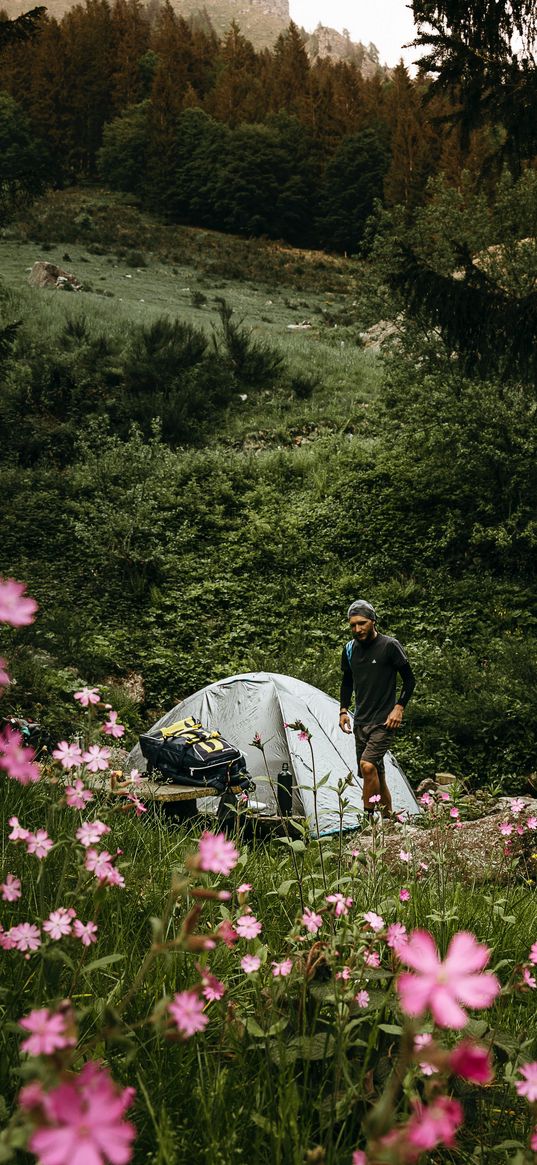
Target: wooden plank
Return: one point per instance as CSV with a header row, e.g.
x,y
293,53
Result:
x,y
148,790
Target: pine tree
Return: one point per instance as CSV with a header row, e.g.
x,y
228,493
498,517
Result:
x,y
237,93
132,33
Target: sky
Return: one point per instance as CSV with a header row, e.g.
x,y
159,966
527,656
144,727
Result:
x,y
388,23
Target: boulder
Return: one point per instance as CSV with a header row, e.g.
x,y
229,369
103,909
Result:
x,y
46,275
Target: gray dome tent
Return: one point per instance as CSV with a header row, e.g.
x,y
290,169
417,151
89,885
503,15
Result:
x,y
266,703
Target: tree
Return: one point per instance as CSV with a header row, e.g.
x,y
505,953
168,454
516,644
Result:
x,y
483,54
23,28
121,161
414,146
237,92
352,183
22,158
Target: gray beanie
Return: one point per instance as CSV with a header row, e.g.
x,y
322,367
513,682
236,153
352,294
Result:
x,y
360,607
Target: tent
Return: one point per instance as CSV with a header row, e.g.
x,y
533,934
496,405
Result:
x,y
266,703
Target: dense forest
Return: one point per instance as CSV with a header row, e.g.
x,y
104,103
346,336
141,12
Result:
x,y
122,496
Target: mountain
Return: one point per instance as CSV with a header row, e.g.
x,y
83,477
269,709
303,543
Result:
x,y
261,21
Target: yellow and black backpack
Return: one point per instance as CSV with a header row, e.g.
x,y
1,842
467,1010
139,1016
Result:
x,y
186,753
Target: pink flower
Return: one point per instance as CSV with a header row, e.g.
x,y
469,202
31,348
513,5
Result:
x,y
31,1096
517,805
247,926
227,933
100,864
304,734
472,1062
533,953
454,812
84,1121
533,1141
212,988
435,1124
87,696
96,758
5,679
442,986
17,760
250,963
7,941
345,974
528,1086
16,608
90,832
359,1158
375,921
362,998
11,888
39,843
77,795
59,923
47,1033
374,800
426,799
405,856
528,978
244,888
505,828
18,833
111,727
311,920
284,968
404,894
531,823
396,936
422,1041
86,932
69,755
341,904
187,1011
371,959
25,936
216,854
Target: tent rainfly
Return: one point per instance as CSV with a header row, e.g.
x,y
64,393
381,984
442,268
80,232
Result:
x,y
266,703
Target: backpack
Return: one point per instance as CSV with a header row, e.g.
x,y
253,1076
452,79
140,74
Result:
x,y
186,753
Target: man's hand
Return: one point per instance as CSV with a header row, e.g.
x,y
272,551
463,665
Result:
x,y
345,722
395,719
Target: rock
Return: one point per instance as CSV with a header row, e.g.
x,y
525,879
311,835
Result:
x,y
379,334
444,778
48,275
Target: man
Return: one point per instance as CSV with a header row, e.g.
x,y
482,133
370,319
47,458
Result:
x,y
370,664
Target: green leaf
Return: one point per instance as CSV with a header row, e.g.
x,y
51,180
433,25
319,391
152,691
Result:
x,y
285,887
56,955
392,1029
105,961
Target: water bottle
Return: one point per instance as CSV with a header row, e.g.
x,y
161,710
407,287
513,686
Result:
x,y
285,791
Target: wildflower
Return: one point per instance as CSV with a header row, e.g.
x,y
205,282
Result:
x,y
375,921
244,887
111,727
16,608
256,742
77,795
59,923
31,1096
345,974
396,936
423,866
374,800
284,968
311,920
247,926
47,1033
7,941
426,799
362,998
5,679
359,1157
96,758
17,760
18,833
187,1011
434,1124
531,823
454,812
533,953
90,832
472,1062
85,931
227,933
87,696
10,889
404,856
404,894
212,988
69,755
135,776
371,959
442,986
533,1141
528,1086
84,1121
528,978
25,936
216,854
341,904
39,843
517,805
250,963
505,828
445,796
139,806
98,863
422,1041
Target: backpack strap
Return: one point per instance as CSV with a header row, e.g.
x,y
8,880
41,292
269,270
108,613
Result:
x,y
348,648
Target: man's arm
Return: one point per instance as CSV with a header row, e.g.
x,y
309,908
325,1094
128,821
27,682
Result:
x,y
345,695
395,718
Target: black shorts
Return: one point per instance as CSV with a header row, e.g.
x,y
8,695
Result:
x,y
372,743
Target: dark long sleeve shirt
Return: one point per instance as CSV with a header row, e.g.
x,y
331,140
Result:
x,y
372,674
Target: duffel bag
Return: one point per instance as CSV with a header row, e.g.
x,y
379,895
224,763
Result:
x,y
186,753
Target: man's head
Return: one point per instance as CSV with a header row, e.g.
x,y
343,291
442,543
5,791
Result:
x,y
362,618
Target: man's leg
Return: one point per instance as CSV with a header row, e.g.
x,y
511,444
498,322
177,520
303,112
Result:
x,y
372,769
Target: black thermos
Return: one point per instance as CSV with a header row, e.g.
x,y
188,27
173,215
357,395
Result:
x,y
285,791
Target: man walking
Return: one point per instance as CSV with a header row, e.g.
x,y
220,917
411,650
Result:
x,y
369,665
